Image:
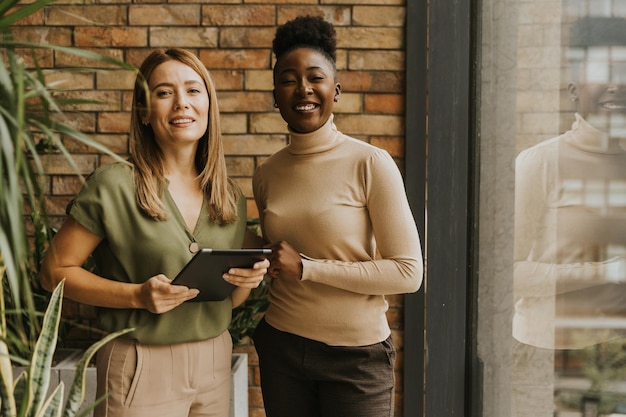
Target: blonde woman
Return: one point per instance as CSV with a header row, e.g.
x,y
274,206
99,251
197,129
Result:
x,y
143,221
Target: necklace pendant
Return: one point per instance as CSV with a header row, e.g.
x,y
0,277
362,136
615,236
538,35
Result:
x,y
194,247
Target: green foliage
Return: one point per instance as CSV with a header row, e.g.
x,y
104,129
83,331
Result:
x,y
26,397
31,121
247,316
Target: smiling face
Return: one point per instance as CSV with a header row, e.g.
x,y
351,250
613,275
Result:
x,y
305,89
600,91
179,104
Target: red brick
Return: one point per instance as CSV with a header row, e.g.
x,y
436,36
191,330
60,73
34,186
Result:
x,y
372,81
239,37
86,15
384,103
187,37
165,15
393,145
378,15
235,58
98,58
45,35
89,100
238,15
109,122
255,397
110,36
238,101
376,60
225,80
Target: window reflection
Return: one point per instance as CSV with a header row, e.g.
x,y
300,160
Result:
x,y
569,278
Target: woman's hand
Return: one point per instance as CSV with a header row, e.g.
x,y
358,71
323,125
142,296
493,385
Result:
x,y
285,262
248,277
245,279
158,295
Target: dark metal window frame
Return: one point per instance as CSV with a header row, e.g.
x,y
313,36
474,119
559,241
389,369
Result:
x,y
439,318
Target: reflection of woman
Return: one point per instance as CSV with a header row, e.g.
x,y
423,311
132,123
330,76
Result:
x,y
570,225
570,245
327,204
142,221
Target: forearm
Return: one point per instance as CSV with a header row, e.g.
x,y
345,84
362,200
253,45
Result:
x,y
536,279
88,288
376,277
239,296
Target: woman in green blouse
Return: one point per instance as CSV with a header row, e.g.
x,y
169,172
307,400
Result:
x,y
142,221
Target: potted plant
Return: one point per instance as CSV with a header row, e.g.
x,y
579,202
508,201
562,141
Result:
x,y
28,395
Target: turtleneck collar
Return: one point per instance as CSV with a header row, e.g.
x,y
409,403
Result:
x,y
589,139
320,140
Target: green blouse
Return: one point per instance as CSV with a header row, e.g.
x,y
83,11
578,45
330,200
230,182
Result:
x,y
135,247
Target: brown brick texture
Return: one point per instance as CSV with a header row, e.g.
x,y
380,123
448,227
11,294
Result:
x,y
233,39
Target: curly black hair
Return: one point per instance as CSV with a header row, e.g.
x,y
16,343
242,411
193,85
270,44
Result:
x,y
306,31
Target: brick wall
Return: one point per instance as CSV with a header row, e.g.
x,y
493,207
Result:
x,y
233,39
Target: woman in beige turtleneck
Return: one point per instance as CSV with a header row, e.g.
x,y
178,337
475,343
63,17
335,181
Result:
x,y
328,205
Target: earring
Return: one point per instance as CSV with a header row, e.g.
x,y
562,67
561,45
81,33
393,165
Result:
x,y
275,105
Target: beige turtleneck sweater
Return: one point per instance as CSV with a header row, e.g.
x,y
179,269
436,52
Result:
x,y
570,240
338,201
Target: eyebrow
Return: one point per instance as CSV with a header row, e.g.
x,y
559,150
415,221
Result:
x,y
311,68
189,82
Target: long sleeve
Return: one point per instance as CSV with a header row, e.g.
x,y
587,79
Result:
x,y
399,269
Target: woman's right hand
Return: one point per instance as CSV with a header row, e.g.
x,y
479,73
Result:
x,y
158,295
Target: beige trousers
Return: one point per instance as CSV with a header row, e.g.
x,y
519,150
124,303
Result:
x,y
187,379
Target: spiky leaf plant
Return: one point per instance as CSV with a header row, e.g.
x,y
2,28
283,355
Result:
x,y
27,396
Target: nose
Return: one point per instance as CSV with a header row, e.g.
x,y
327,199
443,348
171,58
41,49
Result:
x,y
304,88
181,102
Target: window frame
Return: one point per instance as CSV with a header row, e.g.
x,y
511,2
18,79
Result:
x,y
440,152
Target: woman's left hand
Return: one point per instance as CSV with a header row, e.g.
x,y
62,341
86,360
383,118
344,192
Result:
x,y
248,277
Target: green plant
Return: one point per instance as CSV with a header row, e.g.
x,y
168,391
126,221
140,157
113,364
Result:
x,y
26,396
32,121
247,316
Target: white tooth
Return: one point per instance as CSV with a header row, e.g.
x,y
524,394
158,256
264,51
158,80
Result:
x,y
613,106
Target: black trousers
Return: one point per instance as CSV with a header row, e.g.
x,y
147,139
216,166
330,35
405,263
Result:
x,y
305,378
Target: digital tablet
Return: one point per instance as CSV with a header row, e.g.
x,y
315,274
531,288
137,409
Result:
x,y
204,271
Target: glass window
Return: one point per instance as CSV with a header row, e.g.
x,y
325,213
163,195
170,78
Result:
x,y
552,260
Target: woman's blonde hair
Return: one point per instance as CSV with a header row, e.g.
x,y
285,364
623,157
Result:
x,y
147,158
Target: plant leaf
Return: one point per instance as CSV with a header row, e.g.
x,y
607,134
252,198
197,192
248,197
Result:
x,y
77,391
7,400
41,362
52,407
